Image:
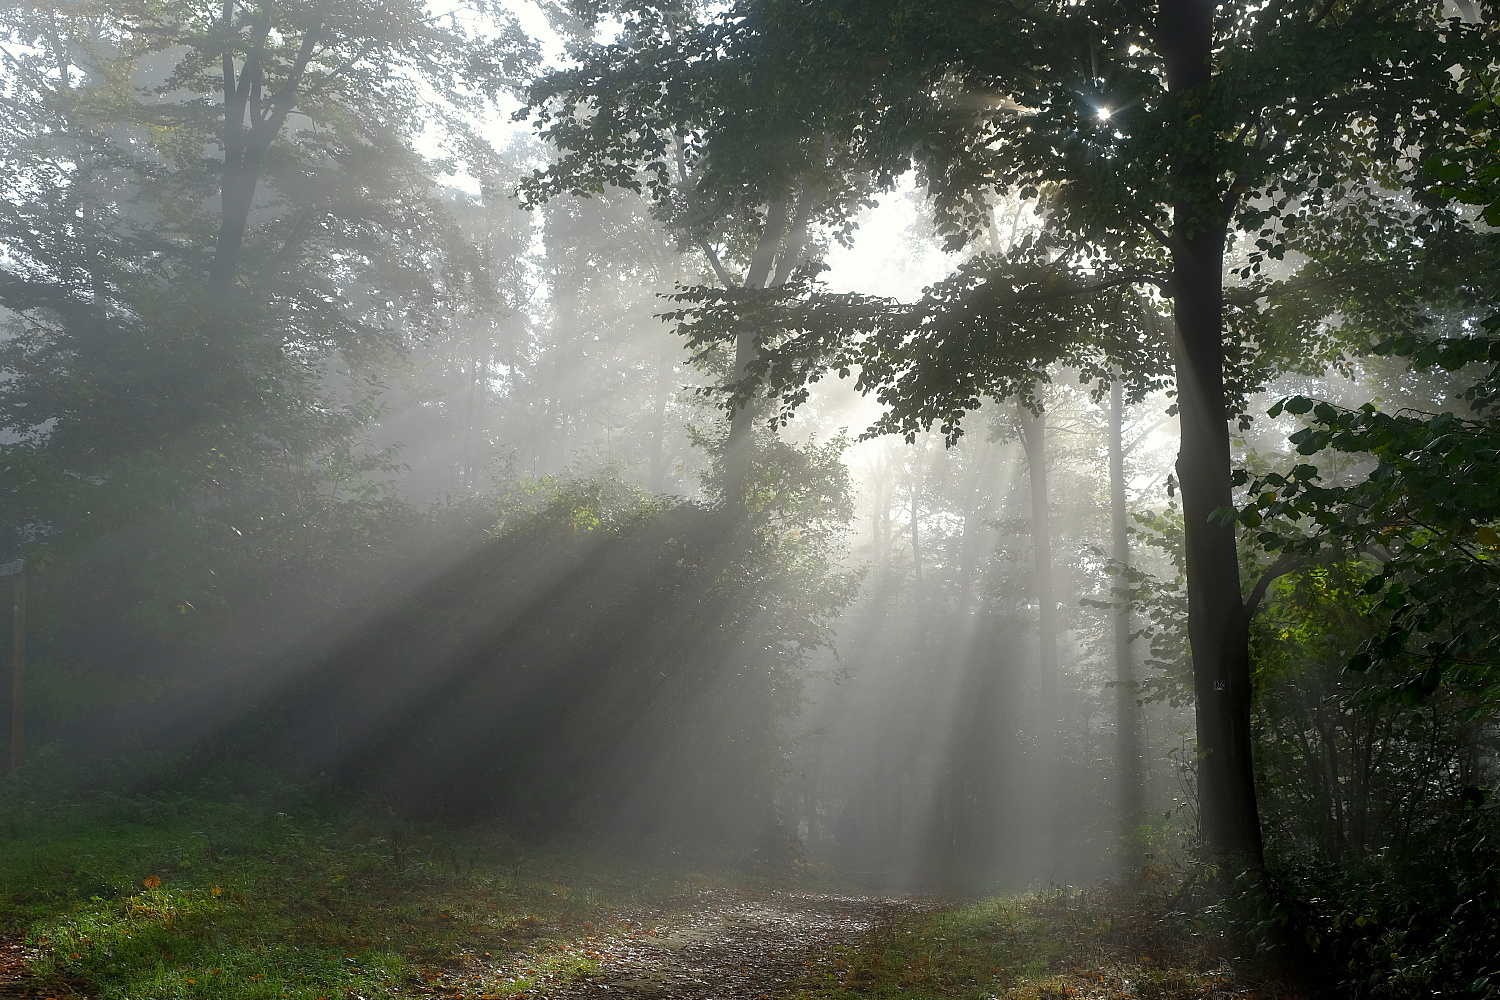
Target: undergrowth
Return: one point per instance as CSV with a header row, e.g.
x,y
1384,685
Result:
x,y
1112,941
288,893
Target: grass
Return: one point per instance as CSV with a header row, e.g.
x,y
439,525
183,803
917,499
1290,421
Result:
x,y
288,894
1097,943
254,897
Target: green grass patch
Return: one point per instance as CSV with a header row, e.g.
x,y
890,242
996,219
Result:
x,y
248,897
1092,943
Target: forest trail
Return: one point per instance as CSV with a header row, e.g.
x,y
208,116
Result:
x,y
728,946
14,983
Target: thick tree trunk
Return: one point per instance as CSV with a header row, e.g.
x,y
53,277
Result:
x,y
1218,625
237,195
739,450
252,120
1128,750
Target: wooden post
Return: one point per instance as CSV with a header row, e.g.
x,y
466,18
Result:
x,y
18,673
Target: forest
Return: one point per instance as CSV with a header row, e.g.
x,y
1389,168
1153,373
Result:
x,y
750,499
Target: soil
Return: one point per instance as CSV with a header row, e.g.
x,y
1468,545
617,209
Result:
x,y
728,947
15,984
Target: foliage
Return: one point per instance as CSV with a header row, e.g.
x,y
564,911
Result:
x,y
1077,116
1060,942
188,393
1425,513
1469,172
1377,807
1384,926
607,663
992,330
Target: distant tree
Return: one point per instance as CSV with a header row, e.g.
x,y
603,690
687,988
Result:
x,y
1169,143
709,143
217,227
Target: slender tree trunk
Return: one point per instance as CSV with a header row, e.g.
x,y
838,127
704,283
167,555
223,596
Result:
x,y
1128,752
18,672
465,464
1034,441
1218,626
657,460
916,521
1050,774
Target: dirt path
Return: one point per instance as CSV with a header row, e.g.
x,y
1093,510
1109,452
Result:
x,y
13,979
727,947
720,945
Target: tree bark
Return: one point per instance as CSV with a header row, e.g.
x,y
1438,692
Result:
x,y
739,450
916,537
252,120
657,458
1034,441
1128,751
18,673
1218,625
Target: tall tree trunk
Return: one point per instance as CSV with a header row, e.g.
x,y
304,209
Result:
x,y
236,196
1128,751
1218,625
252,120
916,521
18,672
657,459
1050,774
739,450
1034,441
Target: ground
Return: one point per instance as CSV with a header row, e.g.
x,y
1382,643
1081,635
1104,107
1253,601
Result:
x,y
731,946
297,897
758,944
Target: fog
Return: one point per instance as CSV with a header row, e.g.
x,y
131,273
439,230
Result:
x,y
558,624
610,425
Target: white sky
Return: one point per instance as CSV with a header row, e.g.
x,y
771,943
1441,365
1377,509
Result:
x,y
894,252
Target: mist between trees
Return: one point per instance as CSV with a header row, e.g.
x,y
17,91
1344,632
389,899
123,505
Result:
x,y
490,413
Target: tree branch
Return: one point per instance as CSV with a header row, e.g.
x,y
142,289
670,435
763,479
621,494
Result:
x,y
286,98
1134,278
1155,232
1287,563
713,261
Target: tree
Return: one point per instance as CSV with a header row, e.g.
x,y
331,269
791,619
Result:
x,y
1033,427
1169,143
1423,509
644,113
1129,753
217,228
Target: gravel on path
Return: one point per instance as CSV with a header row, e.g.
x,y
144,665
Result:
x,y
728,947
